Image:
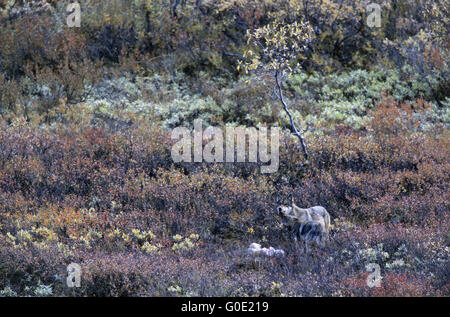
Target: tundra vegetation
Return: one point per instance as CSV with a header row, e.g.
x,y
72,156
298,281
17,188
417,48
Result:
x,y
86,174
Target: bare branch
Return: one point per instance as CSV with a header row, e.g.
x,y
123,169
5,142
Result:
x,y
278,76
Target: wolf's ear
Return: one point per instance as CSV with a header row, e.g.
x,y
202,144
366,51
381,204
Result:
x,y
278,199
292,199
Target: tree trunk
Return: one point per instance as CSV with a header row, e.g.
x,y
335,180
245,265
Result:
x,y
286,109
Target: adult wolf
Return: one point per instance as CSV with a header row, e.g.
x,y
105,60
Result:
x,y
309,224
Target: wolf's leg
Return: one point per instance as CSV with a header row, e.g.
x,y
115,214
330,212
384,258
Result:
x,y
297,245
320,241
328,226
307,247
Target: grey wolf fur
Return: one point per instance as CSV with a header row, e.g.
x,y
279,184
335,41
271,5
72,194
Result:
x,y
307,224
309,232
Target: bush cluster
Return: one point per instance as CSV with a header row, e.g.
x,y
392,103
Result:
x,y
86,174
113,201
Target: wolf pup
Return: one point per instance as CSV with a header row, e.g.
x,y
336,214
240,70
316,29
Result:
x,y
310,224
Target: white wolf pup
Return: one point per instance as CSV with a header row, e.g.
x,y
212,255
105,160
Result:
x,y
309,224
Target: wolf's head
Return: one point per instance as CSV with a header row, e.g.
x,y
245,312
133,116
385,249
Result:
x,y
284,210
285,222
292,213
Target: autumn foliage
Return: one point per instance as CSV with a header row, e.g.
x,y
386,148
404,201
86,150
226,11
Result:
x,y
96,194
87,177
